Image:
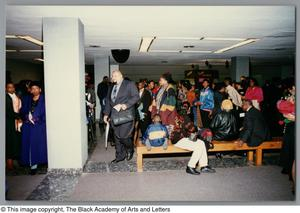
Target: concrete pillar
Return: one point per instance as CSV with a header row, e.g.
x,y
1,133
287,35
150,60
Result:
x,y
2,96
101,69
239,67
65,92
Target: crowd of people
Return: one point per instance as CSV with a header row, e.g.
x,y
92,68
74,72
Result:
x,y
191,117
26,138
187,115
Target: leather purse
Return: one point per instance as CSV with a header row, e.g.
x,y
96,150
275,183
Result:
x,y
123,116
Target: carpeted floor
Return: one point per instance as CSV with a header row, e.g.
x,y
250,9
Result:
x,y
163,179
228,184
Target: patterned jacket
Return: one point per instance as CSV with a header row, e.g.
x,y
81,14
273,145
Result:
x,y
156,134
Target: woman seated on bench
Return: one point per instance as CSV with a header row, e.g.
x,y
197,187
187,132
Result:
x,y
185,136
224,124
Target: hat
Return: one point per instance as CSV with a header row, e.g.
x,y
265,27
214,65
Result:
x,y
227,105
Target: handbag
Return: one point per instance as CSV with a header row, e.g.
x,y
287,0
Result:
x,y
123,116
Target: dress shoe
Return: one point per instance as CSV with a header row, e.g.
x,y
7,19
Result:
x,y
192,171
284,171
219,155
207,169
116,161
129,155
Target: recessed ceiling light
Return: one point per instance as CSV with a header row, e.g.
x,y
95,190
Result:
x,y
146,43
188,46
247,41
94,46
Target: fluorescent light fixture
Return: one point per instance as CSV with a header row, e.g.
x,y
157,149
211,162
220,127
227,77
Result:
x,y
222,39
31,39
180,38
11,51
146,43
247,41
26,38
31,51
196,51
11,36
38,59
165,51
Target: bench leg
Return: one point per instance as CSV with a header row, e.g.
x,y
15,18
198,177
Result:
x,y
250,156
139,162
258,157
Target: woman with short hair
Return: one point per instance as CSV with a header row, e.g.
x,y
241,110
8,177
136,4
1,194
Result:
x,y
34,138
224,124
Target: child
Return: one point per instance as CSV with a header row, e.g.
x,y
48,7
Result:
x,y
156,134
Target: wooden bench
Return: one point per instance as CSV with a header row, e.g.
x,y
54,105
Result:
x,y
219,146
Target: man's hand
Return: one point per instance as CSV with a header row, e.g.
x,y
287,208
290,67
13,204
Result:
x,y
118,107
150,108
105,119
123,106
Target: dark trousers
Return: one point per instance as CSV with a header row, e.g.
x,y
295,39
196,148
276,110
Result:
x,y
101,111
205,118
237,112
123,139
287,155
123,146
144,124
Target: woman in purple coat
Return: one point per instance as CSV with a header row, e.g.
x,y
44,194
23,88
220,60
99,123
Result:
x,y
34,139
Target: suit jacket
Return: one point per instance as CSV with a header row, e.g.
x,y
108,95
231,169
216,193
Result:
x,y
127,94
255,129
146,100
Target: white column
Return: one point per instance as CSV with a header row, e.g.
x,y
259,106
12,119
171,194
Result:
x,y
239,67
2,94
65,92
101,69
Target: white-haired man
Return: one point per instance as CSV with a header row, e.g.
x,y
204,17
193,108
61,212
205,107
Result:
x,y
123,95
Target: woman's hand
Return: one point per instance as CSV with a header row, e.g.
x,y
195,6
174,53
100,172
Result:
x,y
290,117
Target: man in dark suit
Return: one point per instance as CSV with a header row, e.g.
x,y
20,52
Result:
x,y
102,90
144,114
255,129
122,95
